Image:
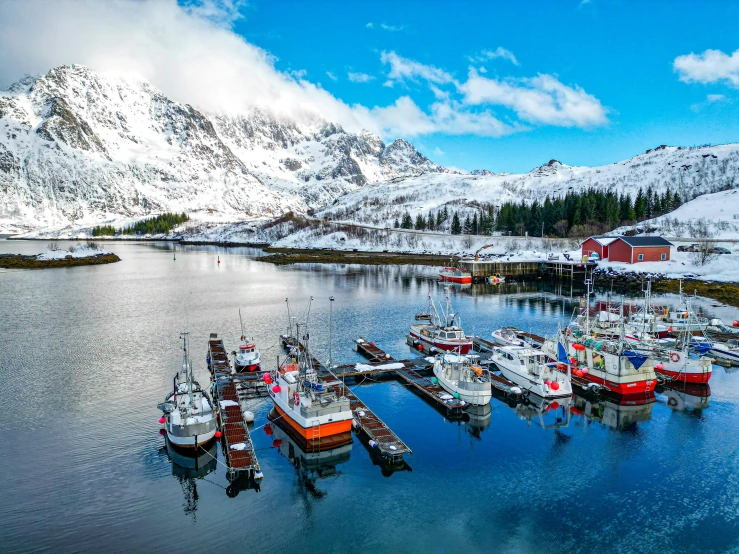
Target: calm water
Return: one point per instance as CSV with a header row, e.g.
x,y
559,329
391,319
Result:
x,y
87,353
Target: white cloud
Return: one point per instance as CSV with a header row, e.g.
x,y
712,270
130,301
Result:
x,y
404,69
711,98
487,55
438,151
193,56
360,77
712,66
332,76
541,99
386,27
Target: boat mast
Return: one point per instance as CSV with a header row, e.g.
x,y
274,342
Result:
x,y
186,364
588,283
243,333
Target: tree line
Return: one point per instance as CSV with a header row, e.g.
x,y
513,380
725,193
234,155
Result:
x,y
577,214
157,225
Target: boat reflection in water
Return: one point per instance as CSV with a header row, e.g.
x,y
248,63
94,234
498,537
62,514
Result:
x,y
616,413
188,467
549,414
310,466
479,419
680,396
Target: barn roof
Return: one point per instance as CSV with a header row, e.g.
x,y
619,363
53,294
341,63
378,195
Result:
x,y
634,241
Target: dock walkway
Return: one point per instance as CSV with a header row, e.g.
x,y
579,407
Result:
x,y
235,429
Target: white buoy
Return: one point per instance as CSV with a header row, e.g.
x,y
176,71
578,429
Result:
x,y
355,423
515,390
373,444
393,447
258,475
248,416
360,413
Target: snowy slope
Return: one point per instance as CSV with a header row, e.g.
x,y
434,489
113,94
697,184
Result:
x,y
719,211
77,146
690,171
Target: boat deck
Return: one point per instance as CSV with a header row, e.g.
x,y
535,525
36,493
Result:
x,y
233,426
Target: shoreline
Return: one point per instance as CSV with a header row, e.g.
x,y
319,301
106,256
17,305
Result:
x,y
20,261
287,256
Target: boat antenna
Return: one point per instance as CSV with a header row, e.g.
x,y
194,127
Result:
x,y
241,320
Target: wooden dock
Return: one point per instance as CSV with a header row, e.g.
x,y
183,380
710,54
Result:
x,y
565,269
243,458
435,395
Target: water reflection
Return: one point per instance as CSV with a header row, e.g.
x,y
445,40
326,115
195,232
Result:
x,y
310,467
613,412
681,396
188,468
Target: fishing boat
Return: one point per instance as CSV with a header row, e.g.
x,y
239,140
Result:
x,y
247,358
188,416
441,330
612,364
507,337
533,370
456,275
608,364
315,415
464,380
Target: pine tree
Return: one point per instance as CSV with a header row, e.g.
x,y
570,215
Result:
x,y
639,206
467,225
407,221
431,224
475,225
396,224
420,222
456,225
439,219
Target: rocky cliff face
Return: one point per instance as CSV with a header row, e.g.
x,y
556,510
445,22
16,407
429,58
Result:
x,y
77,146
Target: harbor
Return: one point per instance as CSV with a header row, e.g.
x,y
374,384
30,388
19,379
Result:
x,y
561,450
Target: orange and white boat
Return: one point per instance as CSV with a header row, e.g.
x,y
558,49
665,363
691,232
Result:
x,y
314,415
456,275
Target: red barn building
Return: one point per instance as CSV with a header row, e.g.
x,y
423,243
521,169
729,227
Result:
x,y
628,249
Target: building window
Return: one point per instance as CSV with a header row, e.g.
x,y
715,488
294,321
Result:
x,y
641,257
663,257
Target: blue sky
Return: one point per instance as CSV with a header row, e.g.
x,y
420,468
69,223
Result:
x,y
619,52
505,86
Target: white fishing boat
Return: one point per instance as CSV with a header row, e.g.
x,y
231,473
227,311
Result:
x,y
507,337
441,330
247,358
533,370
460,377
188,416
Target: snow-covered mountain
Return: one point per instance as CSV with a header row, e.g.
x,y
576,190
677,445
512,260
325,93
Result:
x,y
78,146
689,171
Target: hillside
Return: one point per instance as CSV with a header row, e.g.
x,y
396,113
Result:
x,y
689,171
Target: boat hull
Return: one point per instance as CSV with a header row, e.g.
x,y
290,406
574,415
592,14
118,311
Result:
x,y
634,388
685,376
533,386
246,368
191,442
320,432
319,444
475,397
464,280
